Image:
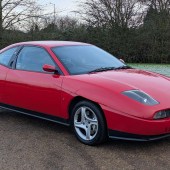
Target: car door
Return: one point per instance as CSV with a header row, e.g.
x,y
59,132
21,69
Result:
x,y
29,87
5,58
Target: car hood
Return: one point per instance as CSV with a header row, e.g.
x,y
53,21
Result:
x,y
154,84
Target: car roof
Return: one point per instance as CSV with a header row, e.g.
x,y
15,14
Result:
x,y
51,43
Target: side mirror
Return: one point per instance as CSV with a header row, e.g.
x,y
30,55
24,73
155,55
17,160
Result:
x,y
122,60
50,68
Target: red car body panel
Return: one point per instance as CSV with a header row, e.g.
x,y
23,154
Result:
x,y
3,73
52,94
33,91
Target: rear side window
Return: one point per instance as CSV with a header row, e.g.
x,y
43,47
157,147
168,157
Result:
x,y
6,56
33,59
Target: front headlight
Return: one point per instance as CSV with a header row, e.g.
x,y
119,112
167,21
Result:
x,y
141,97
162,114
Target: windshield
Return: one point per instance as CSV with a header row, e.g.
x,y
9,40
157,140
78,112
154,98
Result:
x,y
85,59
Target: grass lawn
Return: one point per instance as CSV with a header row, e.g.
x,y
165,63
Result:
x,y
159,68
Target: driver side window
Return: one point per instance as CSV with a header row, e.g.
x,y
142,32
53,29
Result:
x,y
33,59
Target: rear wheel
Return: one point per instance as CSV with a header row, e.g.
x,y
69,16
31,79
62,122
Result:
x,y
88,123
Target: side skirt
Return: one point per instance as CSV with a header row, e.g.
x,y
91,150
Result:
x,y
36,114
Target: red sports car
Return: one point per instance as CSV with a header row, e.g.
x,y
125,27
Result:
x,y
84,87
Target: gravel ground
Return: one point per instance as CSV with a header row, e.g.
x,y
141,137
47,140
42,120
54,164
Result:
x,y
28,143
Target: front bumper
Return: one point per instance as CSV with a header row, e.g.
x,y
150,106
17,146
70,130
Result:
x,y
124,126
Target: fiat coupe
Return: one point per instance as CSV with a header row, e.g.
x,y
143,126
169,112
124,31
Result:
x,y
84,87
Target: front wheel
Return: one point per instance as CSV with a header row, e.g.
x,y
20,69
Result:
x,y
88,123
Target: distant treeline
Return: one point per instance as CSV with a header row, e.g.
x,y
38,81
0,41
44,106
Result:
x,y
147,42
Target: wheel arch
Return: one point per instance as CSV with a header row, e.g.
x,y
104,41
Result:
x,y
78,99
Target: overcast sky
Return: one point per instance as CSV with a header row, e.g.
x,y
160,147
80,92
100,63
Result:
x,y
64,6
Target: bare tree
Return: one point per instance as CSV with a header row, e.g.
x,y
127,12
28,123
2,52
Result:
x,y
123,13
159,5
66,23
1,28
14,12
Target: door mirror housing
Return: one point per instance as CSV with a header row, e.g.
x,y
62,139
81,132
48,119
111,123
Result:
x,y
50,68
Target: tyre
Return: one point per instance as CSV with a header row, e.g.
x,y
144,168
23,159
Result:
x,y
88,123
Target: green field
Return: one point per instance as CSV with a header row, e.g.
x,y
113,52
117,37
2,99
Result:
x,y
159,68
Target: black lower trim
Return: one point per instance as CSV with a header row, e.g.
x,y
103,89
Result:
x,y
133,137
36,114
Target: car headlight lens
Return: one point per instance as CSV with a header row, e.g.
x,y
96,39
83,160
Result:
x,y
162,114
141,97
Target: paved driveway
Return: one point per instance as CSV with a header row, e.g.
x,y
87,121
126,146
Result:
x,y
28,143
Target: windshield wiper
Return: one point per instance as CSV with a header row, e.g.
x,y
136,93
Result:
x,y
109,68
102,69
123,67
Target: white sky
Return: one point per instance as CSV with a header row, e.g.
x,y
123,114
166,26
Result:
x,y
63,6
